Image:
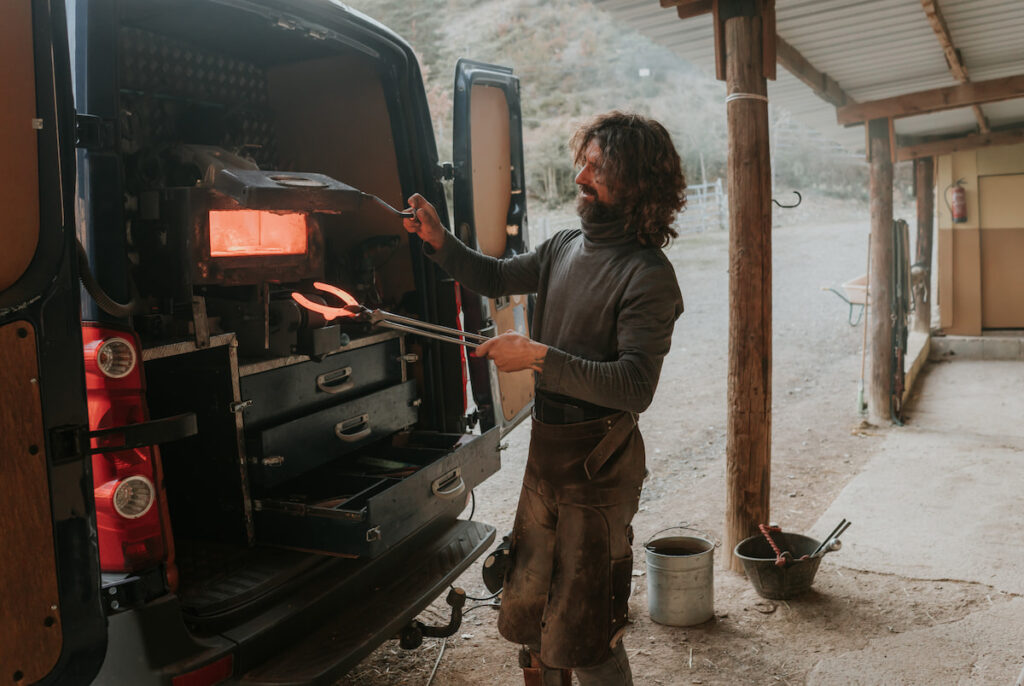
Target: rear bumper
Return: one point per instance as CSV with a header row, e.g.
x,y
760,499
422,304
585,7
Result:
x,y
335,617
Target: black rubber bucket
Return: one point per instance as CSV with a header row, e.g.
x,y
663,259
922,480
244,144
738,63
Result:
x,y
770,580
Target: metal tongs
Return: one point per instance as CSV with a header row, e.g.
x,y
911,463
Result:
x,y
354,311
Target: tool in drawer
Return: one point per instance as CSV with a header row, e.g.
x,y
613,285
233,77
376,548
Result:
x,y
353,310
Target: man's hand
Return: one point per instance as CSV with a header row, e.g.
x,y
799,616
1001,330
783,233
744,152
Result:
x,y
424,222
513,352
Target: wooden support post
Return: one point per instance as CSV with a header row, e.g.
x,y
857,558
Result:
x,y
924,177
748,441
880,285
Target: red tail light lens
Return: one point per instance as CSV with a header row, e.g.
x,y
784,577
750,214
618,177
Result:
x,y
131,512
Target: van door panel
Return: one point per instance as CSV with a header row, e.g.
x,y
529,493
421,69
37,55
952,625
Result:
x,y
490,208
30,633
52,626
492,180
19,192
515,388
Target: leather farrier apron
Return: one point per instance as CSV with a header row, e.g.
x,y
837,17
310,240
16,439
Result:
x,y
571,561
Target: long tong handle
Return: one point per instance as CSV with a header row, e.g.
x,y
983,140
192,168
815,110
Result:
x,y
426,333
381,315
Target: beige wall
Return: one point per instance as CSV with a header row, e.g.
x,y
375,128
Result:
x,y
981,282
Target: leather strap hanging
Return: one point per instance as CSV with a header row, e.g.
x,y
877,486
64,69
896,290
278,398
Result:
x,y
619,428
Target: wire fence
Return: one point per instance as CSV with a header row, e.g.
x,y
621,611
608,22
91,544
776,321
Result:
x,y
707,207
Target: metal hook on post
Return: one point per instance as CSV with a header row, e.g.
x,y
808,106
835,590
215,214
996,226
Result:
x,y
799,199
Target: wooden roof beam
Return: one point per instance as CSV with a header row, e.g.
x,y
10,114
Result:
x,y
938,22
822,84
953,57
934,100
973,141
785,54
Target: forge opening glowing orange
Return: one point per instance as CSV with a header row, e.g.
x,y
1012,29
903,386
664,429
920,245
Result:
x,y
239,233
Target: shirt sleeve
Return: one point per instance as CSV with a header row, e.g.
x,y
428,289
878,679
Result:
x,y
650,306
486,275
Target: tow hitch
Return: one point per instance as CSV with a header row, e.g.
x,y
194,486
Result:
x,y
412,636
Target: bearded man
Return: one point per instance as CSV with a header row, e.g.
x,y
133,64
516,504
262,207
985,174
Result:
x,y
607,300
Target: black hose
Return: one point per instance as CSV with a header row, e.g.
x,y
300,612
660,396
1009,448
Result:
x,y
93,288
488,597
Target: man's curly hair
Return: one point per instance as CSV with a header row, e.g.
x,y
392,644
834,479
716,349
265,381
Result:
x,y
642,169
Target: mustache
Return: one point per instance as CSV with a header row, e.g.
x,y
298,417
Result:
x,y
589,190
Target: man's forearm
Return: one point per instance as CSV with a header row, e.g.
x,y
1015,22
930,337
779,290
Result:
x,y
485,275
623,384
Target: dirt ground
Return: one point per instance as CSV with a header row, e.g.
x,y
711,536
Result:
x,y
818,445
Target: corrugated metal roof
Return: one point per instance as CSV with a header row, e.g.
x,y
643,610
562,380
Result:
x,y
872,48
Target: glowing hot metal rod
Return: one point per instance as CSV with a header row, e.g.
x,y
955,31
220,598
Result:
x,y
353,310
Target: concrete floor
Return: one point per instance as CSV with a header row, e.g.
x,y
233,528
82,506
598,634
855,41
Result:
x,y
942,500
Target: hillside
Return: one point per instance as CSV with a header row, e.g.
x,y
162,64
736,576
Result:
x,y
574,61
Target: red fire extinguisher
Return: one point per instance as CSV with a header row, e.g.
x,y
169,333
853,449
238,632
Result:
x,y
957,202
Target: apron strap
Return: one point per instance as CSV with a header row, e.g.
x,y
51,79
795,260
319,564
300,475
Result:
x,y
620,429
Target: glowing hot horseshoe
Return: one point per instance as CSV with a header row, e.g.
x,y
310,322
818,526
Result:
x,y
354,310
352,307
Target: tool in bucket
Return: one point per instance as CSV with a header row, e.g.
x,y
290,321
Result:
x,y
784,557
832,542
356,312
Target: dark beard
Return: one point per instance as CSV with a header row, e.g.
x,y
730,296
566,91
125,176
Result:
x,y
597,212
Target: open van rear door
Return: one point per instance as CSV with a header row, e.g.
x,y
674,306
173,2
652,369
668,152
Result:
x,y
490,214
52,626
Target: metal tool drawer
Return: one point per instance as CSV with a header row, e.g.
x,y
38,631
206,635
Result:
x,y
371,501
287,392
285,451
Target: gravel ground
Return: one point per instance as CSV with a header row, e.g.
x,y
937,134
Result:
x,y
818,444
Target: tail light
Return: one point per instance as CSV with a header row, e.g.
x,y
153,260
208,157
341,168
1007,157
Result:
x,y
131,510
133,497
116,358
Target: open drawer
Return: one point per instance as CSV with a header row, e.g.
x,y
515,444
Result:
x,y
276,395
367,502
283,452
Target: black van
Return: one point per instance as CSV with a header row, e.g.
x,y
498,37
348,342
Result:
x,y
205,481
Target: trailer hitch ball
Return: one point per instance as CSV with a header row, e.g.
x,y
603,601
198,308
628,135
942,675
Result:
x,y
412,635
456,598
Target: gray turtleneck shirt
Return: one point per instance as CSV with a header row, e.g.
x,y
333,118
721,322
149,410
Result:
x,y
606,306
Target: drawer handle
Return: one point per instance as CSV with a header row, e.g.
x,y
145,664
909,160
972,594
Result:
x,y
336,381
449,485
353,429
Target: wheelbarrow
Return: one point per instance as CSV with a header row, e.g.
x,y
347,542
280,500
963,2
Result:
x,y
855,295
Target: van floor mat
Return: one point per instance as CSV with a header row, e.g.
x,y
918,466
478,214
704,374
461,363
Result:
x,y
380,598
220,577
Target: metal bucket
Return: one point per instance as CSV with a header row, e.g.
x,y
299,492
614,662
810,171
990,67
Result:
x,y
680,579
774,581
